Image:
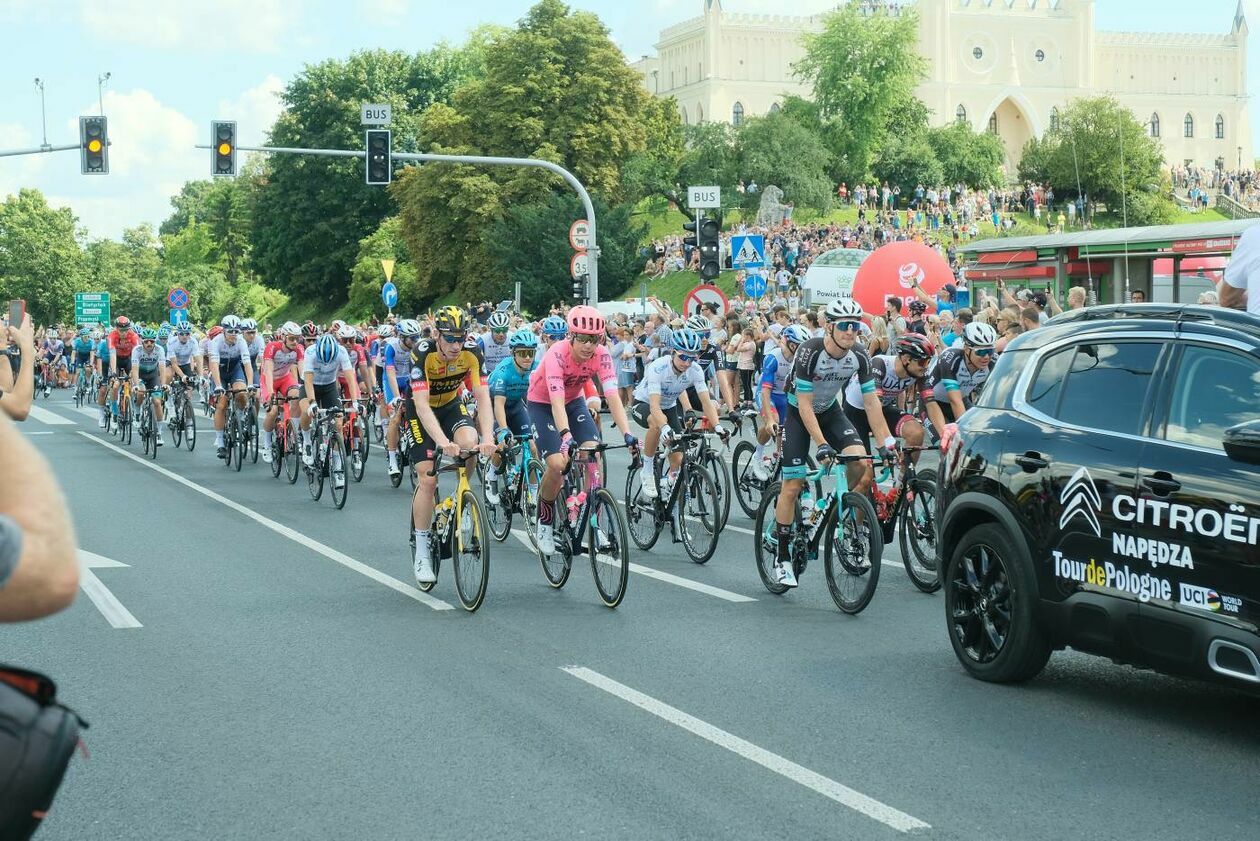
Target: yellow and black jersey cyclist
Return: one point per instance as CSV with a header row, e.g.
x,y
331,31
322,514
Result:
x,y
436,417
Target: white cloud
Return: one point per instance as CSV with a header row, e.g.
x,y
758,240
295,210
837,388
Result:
x,y
21,170
255,111
390,11
237,25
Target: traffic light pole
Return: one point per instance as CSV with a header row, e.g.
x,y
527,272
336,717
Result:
x,y
38,150
570,178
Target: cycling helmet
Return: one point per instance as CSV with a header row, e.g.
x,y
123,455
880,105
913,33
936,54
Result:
x,y
843,309
290,328
326,348
84,332
386,331
183,329
555,327
164,331
979,335
408,328
336,325
499,322
914,346
249,324
148,334
309,330
917,307
586,320
214,331
685,341
122,322
230,322
700,324
523,339
347,331
450,320
796,334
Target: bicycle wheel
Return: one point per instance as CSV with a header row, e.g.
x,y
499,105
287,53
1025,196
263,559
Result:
x,y
721,482
277,452
190,424
747,487
854,549
359,457
128,423
146,434
241,437
471,559
500,515
150,421
916,533
433,549
530,482
764,540
315,473
644,525
701,516
292,453
177,425
251,433
337,470
556,566
609,547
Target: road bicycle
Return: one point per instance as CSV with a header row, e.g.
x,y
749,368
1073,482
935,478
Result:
x,y
285,441
702,452
355,440
843,521
520,475
587,519
81,386
43,380
458,532
250,427
182,418
909,509
748,486
328,457
239,427
121,409
405,442
148,421
689,504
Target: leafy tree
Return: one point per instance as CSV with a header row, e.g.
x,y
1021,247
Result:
x,y
1034,162
190,205
228,215
777,150
908,162
653,172
710,157
40,260
385,243
861,66
967,156
309,213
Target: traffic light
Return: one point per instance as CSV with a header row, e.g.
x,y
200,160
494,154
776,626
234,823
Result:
x,y
691,228
708,239
223,155
94,145
380,164
579,287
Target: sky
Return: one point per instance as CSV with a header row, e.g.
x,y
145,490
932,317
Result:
x,y
175,66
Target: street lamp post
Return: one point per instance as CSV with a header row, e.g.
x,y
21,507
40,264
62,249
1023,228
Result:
x,y
100,97
43,113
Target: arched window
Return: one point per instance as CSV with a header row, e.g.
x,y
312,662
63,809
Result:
x,y
1188,126
684,116
960,114
774,108
1220,127
993,126
1054,119
699,114
1155,125
737,114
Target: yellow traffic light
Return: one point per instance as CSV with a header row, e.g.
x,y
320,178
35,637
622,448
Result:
x,y
225,148
94,146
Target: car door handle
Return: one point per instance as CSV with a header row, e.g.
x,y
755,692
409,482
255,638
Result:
x,y
1031,461
1162,483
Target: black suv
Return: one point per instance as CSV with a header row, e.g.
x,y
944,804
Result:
x,y
1104,494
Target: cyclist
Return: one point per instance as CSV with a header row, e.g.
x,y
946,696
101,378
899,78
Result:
x,y
656,408
554,329
83,348
309,334
397,383
376,350
280,361
438,419
53,357
558,409
230,368
182,352
100,363
495,346
958,375
772,396
148,374
249,333
322,366
895,374
123,339
509,383
820,370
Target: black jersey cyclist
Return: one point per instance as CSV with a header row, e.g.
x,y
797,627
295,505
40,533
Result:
x,y
899,377
958,374
820,370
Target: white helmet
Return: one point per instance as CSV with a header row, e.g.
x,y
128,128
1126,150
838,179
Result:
x,y
386,331
844,309
249,324
979,335
699,323
230,322
290,328
346,331
408,328
336,326
499,321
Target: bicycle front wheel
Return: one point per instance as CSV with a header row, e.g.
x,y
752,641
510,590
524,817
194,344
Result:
x,y
251,434
500,515
190,425
359,456
292,454
853,554
722,484
644,525
916,533
315,473
471,563
277,452
701,516
336,461
609,547
747,487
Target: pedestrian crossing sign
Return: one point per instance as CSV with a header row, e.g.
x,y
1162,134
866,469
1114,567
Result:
x,y
748,251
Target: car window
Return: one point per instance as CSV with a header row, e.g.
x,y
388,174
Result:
x,y
1214,390
1101,385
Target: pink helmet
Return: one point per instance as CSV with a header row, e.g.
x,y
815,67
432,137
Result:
x,y
586,320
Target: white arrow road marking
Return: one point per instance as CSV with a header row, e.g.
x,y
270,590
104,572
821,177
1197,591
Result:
x,y
855,800
106,602
50,418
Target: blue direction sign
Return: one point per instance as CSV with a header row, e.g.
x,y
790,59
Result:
x,y
179,316
754,285
748,251
389,294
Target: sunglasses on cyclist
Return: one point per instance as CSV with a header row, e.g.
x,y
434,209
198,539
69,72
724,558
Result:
x,y
586,339
530,352
847,325
453,339
684,357
231,332
988,351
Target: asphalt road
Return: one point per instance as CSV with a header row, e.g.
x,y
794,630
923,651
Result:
x,y
286,680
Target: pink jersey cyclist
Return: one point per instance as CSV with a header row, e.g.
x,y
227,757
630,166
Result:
x,y
559,373
284,367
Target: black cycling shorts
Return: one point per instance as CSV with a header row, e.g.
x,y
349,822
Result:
x,y
420,446
894,417
583,429
517,417
642,410
836,428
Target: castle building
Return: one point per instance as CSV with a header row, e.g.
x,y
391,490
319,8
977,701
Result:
x,y
1005,66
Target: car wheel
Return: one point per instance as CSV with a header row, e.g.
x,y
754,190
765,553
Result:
x,y
990,599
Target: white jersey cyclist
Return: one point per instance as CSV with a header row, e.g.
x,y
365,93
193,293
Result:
x,y
221,352
326,373
661,377
494,352
181,349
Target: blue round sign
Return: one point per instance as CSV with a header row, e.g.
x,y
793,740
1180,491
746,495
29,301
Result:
x,y
177,298
389,294
754,286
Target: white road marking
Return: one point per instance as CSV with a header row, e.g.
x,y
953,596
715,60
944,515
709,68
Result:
x,y
812,780
106,602
91,413
332,554
649,572
51,418
45,432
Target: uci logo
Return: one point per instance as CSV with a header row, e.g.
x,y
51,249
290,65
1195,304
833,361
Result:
x,y
1080,499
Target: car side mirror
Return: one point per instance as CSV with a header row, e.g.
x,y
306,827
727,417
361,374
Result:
x,y
1242,442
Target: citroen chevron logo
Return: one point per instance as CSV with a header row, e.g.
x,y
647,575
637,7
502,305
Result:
x,y
1080,499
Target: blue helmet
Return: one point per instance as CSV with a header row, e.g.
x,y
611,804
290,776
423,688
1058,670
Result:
x,y
164,331
523,339
326,348
686,341
555,327
84,332
796,334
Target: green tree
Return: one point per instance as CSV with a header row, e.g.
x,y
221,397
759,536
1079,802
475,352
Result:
x,y
1034,161
777,150
710,157
227,211
367,277
189,204
861,66
654,171
908,162
40,260
309,213
967,156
